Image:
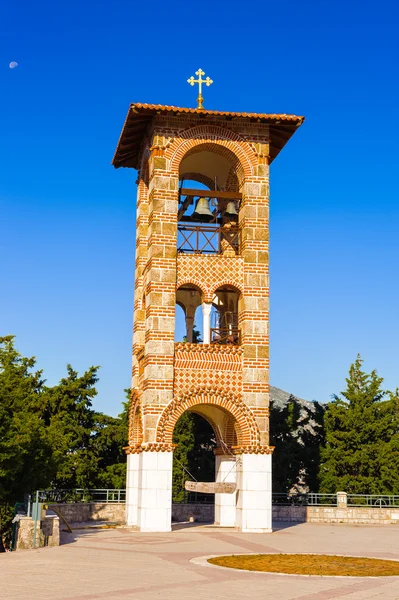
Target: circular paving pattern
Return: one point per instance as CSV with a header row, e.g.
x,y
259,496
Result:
x,y
310,564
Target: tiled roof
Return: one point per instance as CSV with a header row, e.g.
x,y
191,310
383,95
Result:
x,y
155,108
139,116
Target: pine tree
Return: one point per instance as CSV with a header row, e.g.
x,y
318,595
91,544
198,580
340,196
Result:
x,y
111,436
71,423
297,433
361,454
26,459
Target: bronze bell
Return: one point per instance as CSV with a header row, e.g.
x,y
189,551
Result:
x,y
231,210
202,211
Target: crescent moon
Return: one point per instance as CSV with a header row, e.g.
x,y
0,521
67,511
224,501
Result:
x,y
13,64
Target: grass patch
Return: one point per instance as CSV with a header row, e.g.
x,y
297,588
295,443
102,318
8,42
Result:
x,y
310,564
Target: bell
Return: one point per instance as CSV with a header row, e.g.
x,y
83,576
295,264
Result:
x,y
202,211
231,210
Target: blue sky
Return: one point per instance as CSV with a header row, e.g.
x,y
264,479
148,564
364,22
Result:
x,y
67,217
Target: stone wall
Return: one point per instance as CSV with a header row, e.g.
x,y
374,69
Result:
x,y
203,513
47,533
336,514
92,511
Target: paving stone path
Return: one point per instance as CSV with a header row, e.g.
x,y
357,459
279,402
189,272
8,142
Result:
x,y
116,564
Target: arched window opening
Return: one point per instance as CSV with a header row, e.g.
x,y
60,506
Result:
x,y
209,202
180,323
188,317
193,457
224,320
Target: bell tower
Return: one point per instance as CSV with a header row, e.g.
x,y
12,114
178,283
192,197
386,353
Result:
x,y
202,244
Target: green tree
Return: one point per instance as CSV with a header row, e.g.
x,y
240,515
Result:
x,y
297,434
361,453
71,423
184,437
26,459
52,436
193,456
110,438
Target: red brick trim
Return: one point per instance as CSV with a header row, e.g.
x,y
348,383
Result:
x,y
247,429
218,139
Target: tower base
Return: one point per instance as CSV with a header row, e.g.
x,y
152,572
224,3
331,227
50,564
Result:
x,y
149,492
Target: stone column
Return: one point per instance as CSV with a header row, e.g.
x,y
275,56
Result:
x,y
225,504
132,488
342,499
189,327
206,313
155,491
254,221
254,479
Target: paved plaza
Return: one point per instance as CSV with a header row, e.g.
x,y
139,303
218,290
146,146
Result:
x,y
116,564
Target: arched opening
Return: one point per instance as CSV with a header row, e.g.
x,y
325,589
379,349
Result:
x,y
203,458
225,316
193,457
188,327
209,201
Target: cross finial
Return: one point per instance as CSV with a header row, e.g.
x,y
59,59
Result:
x,y
200,81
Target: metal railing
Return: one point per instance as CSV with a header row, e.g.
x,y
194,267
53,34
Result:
x,y
81,495
308,499
282,499
205,239
225,336
373,500
313,499
196,498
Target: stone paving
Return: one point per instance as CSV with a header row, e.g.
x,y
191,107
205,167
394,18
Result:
x,y
116,564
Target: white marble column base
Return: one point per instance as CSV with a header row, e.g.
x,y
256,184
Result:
x,y
149,491
132,489
225,504
254,501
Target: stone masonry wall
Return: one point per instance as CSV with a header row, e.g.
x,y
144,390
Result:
x,y
47,533
92,511
203,513
334,514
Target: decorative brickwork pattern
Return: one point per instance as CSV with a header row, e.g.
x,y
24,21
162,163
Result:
x,y
246,428
225,380
207,366
224,141
165,372
208,273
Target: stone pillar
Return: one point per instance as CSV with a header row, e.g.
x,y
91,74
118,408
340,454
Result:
x,y
189,328
155,491
342,499
225,504
254,503
132,488
254,313
206,312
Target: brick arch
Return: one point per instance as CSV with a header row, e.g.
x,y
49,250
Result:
x,y
215,428
216,139
135,420
225,283
201,178
246,427
194,282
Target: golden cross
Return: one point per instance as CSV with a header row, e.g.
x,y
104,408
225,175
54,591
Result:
x,y
200,81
